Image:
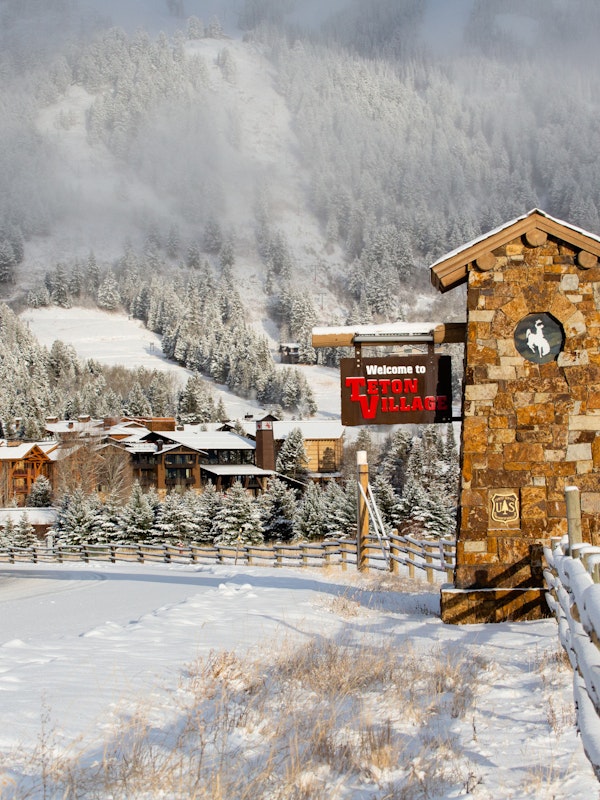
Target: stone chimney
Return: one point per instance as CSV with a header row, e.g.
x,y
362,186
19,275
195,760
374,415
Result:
x,y
265,445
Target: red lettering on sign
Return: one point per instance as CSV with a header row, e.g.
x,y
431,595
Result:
x,y
411,385
368,405
441,402
354,385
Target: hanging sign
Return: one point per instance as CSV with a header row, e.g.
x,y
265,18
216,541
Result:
x,y
396,390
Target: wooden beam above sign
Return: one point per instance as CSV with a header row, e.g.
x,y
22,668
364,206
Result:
x,y
449,332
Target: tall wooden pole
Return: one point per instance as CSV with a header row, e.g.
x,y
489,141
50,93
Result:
x,y
362,528
573,515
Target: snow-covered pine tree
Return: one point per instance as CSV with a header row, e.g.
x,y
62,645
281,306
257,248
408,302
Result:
x,y
137,519
206,506
110,524
386,499
77,521
40,494
292,459
311,519
108,296
196,403
340,505
279,511
175,521
8,534
24,535
238,520
136,402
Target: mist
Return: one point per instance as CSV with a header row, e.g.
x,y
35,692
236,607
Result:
x,y
370,137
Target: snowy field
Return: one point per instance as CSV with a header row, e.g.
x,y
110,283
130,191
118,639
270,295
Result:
x,y
84,647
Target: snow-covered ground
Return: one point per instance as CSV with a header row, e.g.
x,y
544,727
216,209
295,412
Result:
x,y
84,645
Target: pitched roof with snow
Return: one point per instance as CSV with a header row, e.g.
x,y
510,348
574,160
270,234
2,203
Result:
x,y
450,270
311,429
17,452
208,440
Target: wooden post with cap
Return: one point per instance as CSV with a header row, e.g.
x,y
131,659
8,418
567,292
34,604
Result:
x,y
362,518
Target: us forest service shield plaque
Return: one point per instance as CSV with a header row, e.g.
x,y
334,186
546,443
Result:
x,y
504,508
539,338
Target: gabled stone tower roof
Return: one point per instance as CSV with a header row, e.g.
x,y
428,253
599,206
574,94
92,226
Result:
x,y
451,270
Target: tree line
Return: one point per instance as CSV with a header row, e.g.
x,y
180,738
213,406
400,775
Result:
x,y
415,486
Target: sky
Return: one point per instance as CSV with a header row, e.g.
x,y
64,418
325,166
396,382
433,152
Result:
x,y
84,645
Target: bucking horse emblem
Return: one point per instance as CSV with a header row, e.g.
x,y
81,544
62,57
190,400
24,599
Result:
x,y
537,341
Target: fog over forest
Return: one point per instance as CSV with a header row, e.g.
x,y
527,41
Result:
x,y
341,145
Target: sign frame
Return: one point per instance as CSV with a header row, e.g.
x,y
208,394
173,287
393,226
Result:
x,y
396,390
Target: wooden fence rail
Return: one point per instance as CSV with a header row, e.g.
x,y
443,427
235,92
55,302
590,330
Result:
x,y
430,556
573,595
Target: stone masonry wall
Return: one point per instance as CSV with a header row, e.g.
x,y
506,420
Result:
x,y
529,429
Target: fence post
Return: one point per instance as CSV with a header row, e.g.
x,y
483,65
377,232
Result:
x,y
446,554
304,551
362,512
573,516
429,560
394,551
343,555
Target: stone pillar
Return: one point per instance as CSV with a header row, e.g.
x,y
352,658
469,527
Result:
x,y
531,421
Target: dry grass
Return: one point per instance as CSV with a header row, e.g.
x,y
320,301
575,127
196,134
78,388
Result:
x,y
551,664
307,723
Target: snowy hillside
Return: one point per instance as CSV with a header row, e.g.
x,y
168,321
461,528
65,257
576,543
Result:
x,y
113,339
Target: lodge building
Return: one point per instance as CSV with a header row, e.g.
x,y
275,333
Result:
x,y
162,455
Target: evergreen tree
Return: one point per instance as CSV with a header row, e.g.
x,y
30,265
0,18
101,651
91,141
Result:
x,y
24,535
292,459
175,520
278,511
8,533
77,520
110,519
108,296
136,402
137,519
40,494
340,505
311,520
206,506
386,499
196,403
238,520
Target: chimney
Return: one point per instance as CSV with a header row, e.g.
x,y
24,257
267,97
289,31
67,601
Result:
x,y
265,445
159,445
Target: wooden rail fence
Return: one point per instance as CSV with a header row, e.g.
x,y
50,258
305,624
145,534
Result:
x,y
572,574
434,557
